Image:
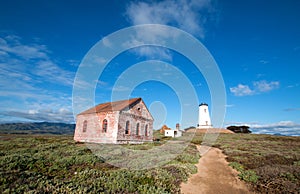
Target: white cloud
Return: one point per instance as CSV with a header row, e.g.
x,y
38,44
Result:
x,y
12,45
229,105
154,36
3,54
264,62
241,90
101,83
264,86
32,112
73,62
278,124
100,60
29,63
9,72
32,80
188,15
42,115
82,84
107,42
293,86
52,107
53,73
154,52
283,127
121,89
258,87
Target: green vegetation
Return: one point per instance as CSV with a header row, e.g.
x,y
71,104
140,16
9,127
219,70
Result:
x,y
246,175
269,163
56,164
160,137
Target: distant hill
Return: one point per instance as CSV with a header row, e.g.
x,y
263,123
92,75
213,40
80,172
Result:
x,y
37,128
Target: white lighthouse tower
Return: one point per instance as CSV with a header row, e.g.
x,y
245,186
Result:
x,y
204,118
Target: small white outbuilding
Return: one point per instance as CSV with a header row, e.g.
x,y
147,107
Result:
x,y
173,132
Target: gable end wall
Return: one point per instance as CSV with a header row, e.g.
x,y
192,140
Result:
x,y
135,114
94,132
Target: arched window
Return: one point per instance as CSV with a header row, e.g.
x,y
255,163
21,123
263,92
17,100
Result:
x,y
84,126
137,128
127,125
146,130
104,126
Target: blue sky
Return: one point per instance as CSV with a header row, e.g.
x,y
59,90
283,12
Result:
x,y
256,45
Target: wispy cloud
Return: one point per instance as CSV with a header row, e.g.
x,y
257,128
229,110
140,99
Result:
x,y
291,109
297,48
31,79
257,88
36,106
283,127
154,52
121,88
31,61
264,61
188,15
11,45
229,105
293,86
241,90
73,62
51,72
60,115
264,86
106,42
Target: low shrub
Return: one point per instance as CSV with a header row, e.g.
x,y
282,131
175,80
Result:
x,y
236,166
248,176
56,164
269,163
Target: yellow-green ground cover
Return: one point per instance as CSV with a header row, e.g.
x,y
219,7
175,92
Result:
x,y
56,164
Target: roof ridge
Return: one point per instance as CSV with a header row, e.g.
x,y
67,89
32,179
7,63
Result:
x,y
111,106
119,100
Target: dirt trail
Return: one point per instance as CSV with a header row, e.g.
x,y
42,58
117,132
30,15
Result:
x,y
214,176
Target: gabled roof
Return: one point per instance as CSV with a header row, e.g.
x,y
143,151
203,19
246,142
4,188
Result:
x,y
112,106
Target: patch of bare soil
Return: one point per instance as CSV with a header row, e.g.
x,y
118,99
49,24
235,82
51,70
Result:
x,y
214,175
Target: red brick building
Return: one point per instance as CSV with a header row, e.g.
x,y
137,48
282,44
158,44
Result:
x,y
126,121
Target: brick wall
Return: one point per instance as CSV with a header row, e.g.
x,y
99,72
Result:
x,y
116,123
138,114
94,132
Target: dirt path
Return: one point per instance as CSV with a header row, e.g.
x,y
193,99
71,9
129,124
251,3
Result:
x,y
214,176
